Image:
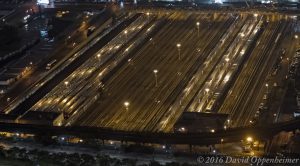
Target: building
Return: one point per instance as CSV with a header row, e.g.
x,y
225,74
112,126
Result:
x,y
194,122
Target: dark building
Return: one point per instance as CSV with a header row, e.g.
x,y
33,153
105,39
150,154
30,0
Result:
x,y
200,122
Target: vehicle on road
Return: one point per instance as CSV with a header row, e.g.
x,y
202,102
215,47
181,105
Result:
x,y
90,30
51,64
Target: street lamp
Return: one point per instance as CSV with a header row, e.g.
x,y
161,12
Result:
x,y
178,45
198,23
228,122
125,32
148,16
66,83
249,139
296,36
267,85
151,40
206,90
126,104
227,60
155,75
222,140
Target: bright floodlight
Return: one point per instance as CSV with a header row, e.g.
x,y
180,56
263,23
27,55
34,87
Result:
x,y
206,90
43,1
219,1
126,104
126,32
226,59
198,23
178,45
66,82
296,36
249,139
155,71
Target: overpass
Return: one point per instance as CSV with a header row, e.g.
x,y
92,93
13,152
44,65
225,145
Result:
x,y
263,133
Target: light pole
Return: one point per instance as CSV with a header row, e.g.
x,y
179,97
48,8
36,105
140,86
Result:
x,y
198,23
126,104
67,39
267,85
178,48
227,60
206,90
148,16
228,122
125,32
155,75
152,42
222,140
66,83
249,139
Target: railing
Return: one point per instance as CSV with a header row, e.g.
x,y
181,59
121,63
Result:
x,y
204,138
